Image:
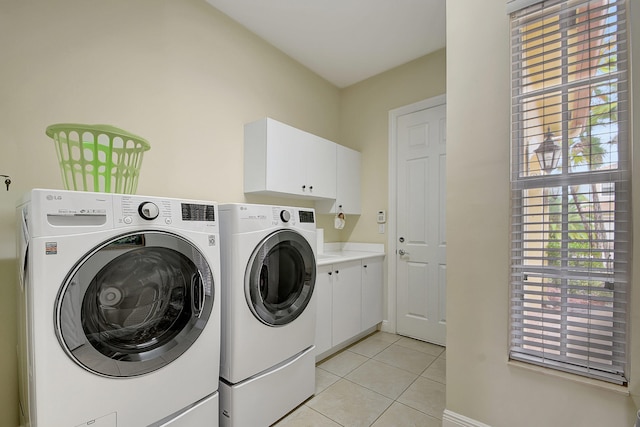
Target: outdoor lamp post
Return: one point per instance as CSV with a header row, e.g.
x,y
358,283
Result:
x,y
548,153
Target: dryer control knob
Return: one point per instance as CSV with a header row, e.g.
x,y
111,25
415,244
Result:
x,y
148,210
285,216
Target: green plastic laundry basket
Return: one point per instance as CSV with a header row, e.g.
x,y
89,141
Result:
x,y
98,158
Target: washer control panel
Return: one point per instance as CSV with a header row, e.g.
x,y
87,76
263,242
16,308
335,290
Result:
x,y
148,210
185,214
59,212
130,210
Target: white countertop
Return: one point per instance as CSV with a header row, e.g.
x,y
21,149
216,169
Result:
x,y
341,252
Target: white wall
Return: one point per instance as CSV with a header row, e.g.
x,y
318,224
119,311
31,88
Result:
x,y
187,78
364,126
481,383
178,73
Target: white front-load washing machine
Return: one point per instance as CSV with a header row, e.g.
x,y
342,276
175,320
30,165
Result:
x,y
268,312
119,301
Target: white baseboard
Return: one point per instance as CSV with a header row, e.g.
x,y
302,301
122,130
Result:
x,y
386,327
325,355
452,419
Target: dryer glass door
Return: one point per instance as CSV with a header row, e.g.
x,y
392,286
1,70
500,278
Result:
x,y
280,278
134,304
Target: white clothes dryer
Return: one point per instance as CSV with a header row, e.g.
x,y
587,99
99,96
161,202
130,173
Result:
x,y
268,312
119,302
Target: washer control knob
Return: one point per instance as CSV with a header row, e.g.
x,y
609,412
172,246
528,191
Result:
x,y
285,216
148,210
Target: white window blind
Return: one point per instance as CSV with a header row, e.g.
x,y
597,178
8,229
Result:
x,y
515,5
570,256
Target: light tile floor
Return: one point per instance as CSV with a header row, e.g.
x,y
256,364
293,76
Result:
x,y
383,380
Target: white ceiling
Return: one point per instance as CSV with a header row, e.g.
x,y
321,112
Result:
x,y
344,41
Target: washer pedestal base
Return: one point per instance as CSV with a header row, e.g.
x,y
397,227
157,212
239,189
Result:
x,y
265,398
202,413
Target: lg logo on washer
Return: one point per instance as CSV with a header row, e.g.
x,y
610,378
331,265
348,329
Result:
x,y
53,197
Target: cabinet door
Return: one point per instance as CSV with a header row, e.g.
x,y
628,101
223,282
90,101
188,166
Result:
x,y
348,187
371,292
347,301
272,158
323,291
320,161
347,184
286,158
282,160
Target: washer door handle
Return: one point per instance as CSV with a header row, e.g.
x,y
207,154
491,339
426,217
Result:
x,y
198,294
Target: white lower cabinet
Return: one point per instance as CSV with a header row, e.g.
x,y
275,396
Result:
x,y
347,301
371,292
349,298
323,290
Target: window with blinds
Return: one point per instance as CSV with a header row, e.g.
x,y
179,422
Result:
x,y
570,256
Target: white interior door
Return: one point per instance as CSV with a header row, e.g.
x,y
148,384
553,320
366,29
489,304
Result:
x,y
420,228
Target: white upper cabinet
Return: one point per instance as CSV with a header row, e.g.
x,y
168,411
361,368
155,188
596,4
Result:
x,y
347,184
281,160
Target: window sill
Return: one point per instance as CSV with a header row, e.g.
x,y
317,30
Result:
x,y
603,385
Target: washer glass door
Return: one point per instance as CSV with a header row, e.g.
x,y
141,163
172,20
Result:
x,y
134,304
280,278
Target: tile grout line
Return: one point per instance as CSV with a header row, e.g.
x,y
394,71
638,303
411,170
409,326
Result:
x,y
388,364
369,358
372,358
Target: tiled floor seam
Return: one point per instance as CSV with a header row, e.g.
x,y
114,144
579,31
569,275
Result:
x,y
325,416
382,395
398,367
378,393
404,404
356,360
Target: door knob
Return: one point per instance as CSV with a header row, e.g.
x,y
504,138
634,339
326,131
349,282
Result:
x,y
402,252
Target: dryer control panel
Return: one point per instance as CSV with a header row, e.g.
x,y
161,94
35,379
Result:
x,y
307,216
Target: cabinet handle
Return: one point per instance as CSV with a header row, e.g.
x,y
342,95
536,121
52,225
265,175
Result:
x,y
330,273
311,187
304,186
365,266
337,271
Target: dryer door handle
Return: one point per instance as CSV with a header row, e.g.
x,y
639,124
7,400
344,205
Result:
x,y
197,294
